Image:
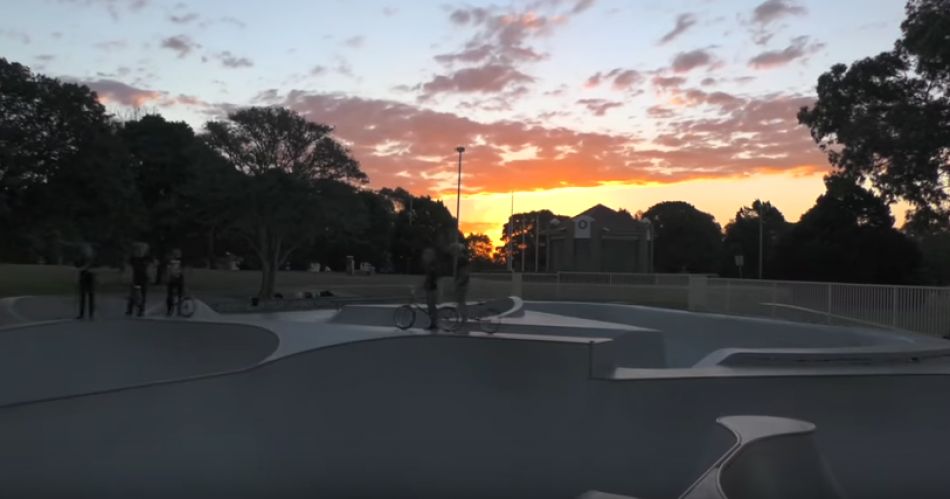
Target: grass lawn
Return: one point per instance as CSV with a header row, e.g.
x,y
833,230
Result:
x,y
18,280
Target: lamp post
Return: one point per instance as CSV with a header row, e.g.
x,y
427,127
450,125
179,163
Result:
x,y
760,239
458,207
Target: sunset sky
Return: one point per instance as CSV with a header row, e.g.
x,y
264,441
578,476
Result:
x,y
568,103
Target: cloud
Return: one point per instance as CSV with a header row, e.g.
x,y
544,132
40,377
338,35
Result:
x,y
181,44
772,10
599,106
799,48
688,61
230,60
317,70
668,82
708,82
111,45
390,11
660,112
619,78
233,21
683,23
354,41
16,35
45,57
500,45
402,144
489,78
183,19
111,6
113,91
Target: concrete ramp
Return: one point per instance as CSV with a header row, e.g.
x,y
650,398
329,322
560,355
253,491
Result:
x,y
774,458
66,358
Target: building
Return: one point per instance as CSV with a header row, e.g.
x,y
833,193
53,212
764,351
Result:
x,y
599,240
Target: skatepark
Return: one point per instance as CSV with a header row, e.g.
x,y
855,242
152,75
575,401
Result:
x,y
566,399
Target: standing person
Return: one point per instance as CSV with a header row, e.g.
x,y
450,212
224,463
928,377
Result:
x,y
87,284
175,282
431,284
139,263
461,283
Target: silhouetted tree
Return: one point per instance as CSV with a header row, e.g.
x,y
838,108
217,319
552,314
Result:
x,y
887,118
523,232
848,236
480,251
742,238
420,222
687,240
63,173
282,156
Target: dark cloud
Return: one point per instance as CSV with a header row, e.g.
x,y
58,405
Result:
x,y
111,45
230,60
668,82
683,23
771,10
488,78
15,35
599,106
354,41
708,82
181,44
183,19
619,78
799,48
113,7
688,61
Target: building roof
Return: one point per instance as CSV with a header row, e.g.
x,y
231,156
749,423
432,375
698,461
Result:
x,y
612,219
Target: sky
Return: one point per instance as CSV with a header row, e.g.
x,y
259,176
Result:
x,y
564,103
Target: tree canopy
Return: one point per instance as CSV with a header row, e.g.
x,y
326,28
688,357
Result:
x,y
886,119
742,238
687,240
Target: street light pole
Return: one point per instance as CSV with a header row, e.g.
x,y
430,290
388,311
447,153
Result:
x,y
511,223
458,207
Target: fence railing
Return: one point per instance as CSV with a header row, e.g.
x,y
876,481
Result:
x,y
923,309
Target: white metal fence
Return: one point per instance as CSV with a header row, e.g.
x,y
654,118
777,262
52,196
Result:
x,y
914,308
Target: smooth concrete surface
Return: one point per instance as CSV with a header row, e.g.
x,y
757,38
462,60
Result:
x,y
456,416
71,357
28,309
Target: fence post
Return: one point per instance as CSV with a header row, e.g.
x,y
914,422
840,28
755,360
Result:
x,y
894,307
516,288
557,286
828,311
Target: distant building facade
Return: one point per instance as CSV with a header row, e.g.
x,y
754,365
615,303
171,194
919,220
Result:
x,y
599,240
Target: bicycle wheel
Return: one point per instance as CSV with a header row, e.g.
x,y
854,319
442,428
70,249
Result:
x,y
448,318
187,307
404,317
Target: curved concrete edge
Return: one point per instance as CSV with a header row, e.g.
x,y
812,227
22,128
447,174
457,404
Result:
x,y
266,358
768,357
732,478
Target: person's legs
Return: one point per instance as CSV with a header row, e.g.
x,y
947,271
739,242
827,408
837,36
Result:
x,y
92,300
143,291
461,294
169,300
82,300
431,308
173,297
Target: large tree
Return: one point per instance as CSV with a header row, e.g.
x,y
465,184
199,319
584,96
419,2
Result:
x,y
64,177
687,240
524,227
742,238
848,236
420,222
886,119
282,156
